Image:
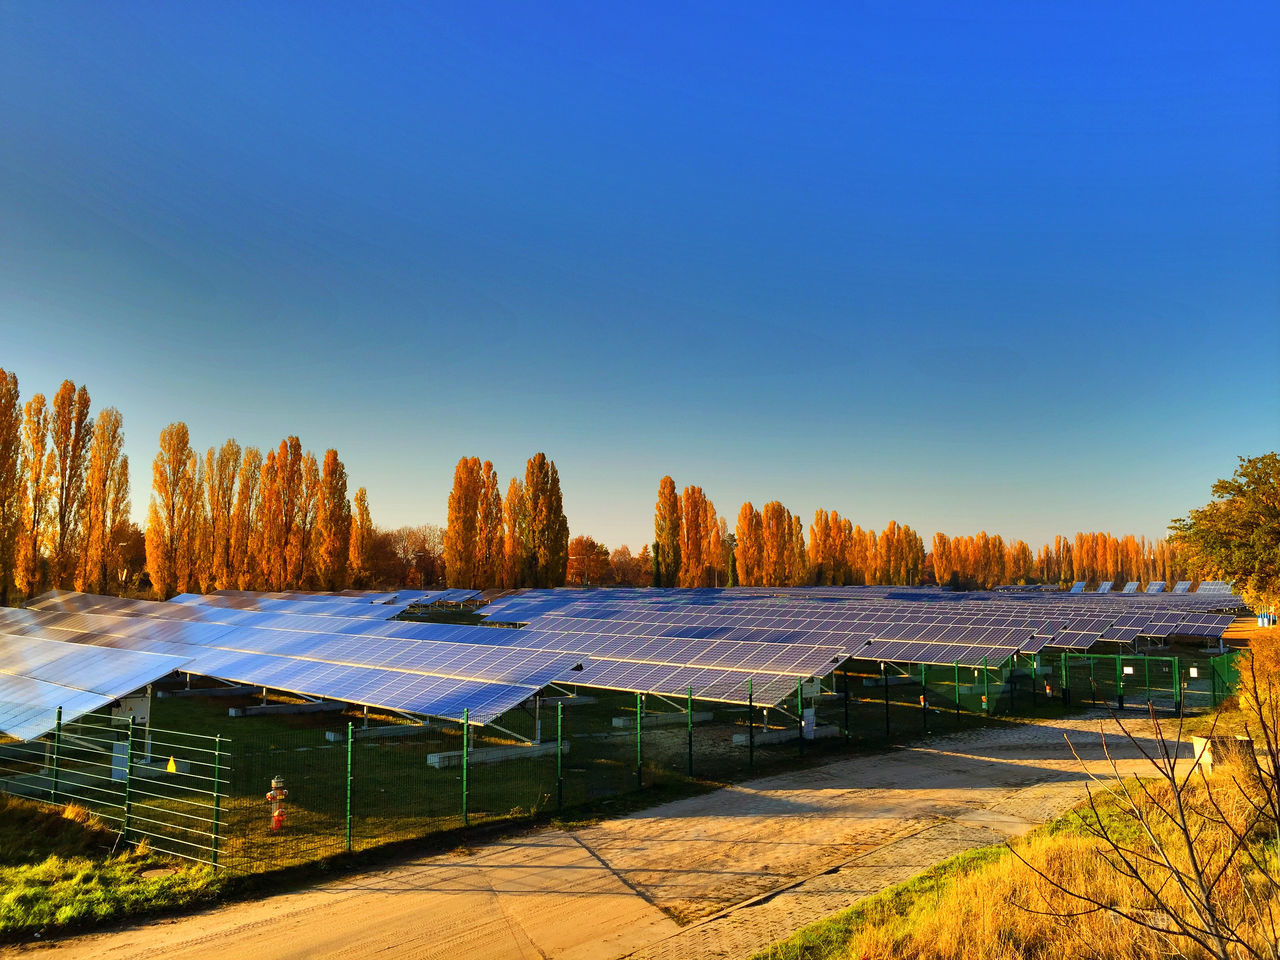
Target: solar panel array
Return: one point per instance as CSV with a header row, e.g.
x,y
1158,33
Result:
x,y
39,675
399,673
342,647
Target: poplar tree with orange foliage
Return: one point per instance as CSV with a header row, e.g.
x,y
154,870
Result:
x,y
515,536
39,466
548,527
69,432
776,549
749,551
797,559
333,525
106,502
693,538
461,536
666,534
221,469
490,542
169,517
269,536
245,521
12,484
360,552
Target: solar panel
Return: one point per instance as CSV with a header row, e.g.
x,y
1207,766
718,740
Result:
x,y
1105,586
1077,587
1130,587
1182,586
1155,586
39,675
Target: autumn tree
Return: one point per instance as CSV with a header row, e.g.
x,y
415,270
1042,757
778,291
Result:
x,y
461,536
548,526
12,481
302,546
39,464
245,521
750,546
776,549
69,431
667,534
490,546
333,525
516,549
588,562
169,517
360,548
106,503
627,569
221,469
693,537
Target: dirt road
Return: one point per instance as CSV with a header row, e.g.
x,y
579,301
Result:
x,y
740,868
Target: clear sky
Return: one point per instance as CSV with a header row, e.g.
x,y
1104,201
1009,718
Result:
x,y
1003,266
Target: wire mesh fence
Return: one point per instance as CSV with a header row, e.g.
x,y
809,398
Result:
x,y
276,791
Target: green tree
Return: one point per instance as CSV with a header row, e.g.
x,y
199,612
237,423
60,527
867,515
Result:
x,y
1236,537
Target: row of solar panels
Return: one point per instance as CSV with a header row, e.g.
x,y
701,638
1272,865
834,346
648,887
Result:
x,y
331,647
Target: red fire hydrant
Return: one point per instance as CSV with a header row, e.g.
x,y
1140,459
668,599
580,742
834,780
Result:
x,y
276,796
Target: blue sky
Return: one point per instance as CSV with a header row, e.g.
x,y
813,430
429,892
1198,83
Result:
x,y
1013,267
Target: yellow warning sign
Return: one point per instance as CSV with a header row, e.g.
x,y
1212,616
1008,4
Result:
x,y
172,767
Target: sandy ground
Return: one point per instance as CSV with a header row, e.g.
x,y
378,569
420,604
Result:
x,y
739,869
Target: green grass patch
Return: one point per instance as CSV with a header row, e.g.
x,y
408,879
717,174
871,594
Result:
x,y
58,872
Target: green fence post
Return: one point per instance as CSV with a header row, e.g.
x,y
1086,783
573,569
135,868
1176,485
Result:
x,y
466,736
351,739
1064,665
884,678
217,795
956,664
1146,670
128,780
800,713
1035,678
1177,687
751,730
690,712
559,756
1119,685
986,705
639,746
57,748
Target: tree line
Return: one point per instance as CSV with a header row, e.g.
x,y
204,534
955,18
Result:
x,y
235,519
520,540
64,491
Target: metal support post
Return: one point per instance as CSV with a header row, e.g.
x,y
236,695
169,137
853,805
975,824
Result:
x,y
639,739
1146,670
128,780
751,730
1119,685
466,737
846,704
57,749
924,702
559,756
217,795
800,713
1177,687
1065,661
986,705
689,710
884,678
351,739
956,664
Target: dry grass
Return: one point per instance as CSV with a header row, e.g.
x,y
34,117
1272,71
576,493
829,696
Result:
x,y
1002,903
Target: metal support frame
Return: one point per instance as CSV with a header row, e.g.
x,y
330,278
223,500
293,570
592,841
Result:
x,y
466,738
